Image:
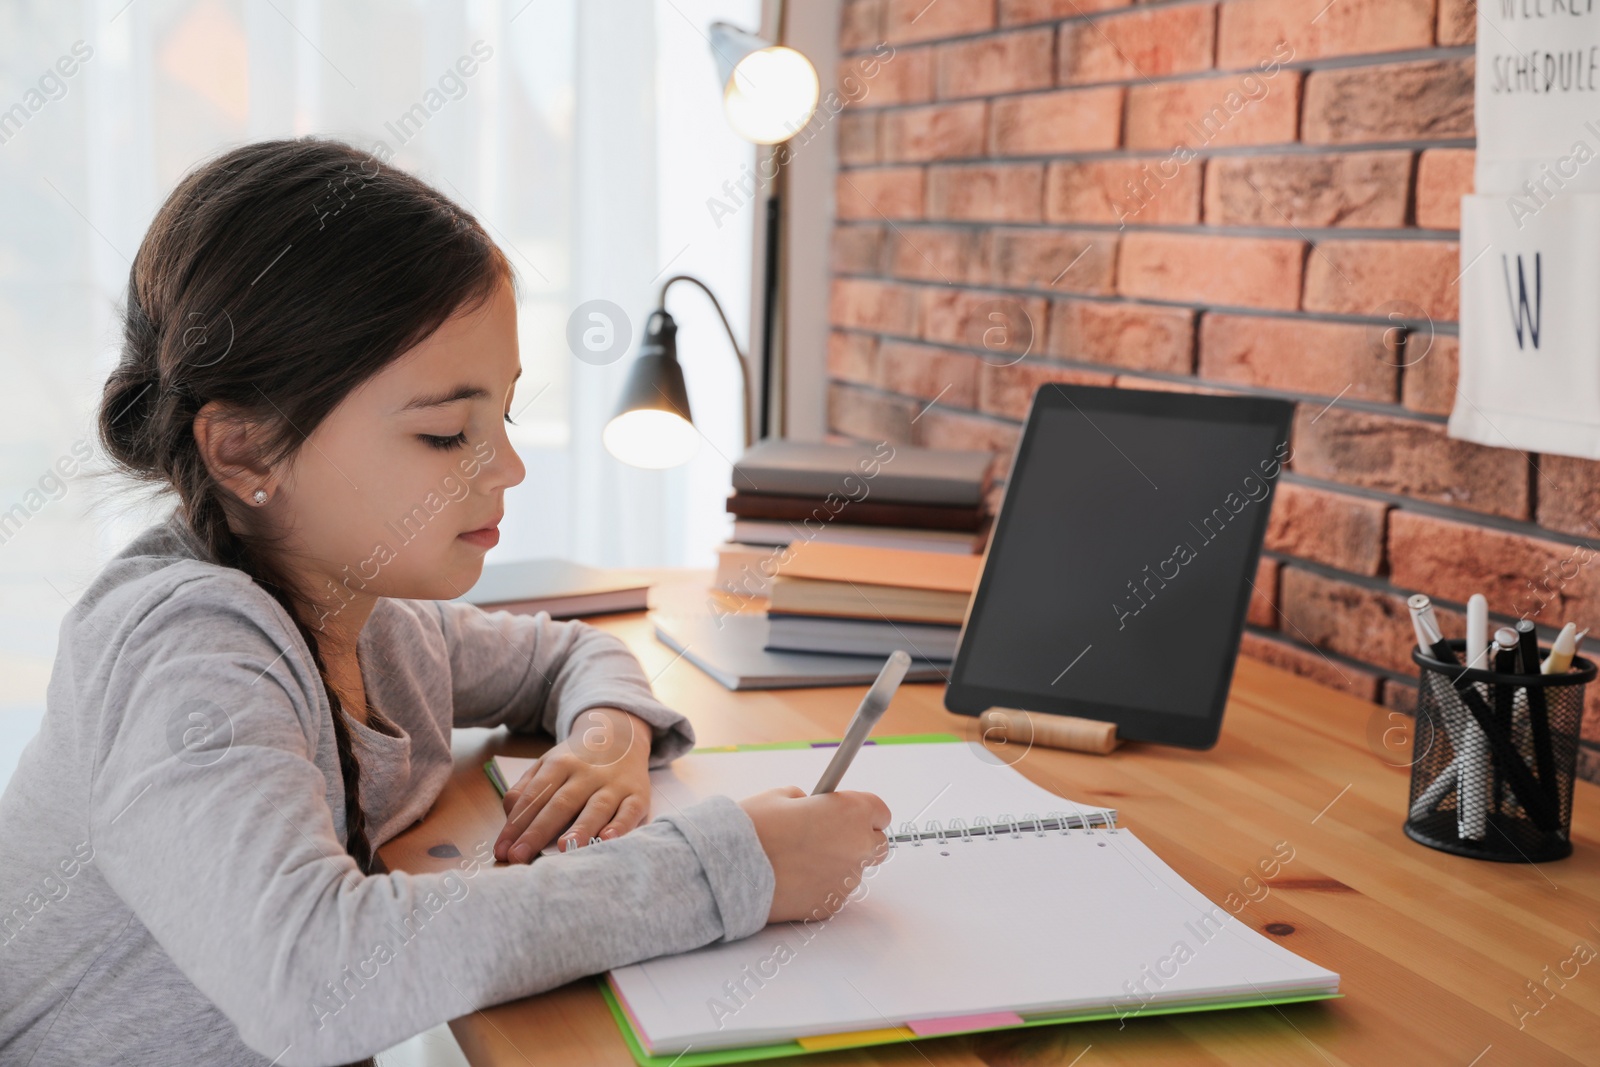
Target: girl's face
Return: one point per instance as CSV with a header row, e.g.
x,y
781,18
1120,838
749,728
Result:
x,y
398,492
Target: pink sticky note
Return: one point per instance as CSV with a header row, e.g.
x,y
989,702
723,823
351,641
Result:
x,y
952,1024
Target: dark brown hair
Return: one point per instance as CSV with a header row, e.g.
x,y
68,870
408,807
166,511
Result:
x,y
275,279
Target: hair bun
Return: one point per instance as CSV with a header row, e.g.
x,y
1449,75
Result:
x,y
127,405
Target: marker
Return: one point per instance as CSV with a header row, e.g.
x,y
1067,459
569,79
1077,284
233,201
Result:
x,y
1562,650
873,705
1504,653
1467,772
1538,712
1527,648
1478,631
1426,624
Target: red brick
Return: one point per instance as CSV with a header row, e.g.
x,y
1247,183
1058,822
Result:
x,y
872,305
1016,12
936,428
853,357
1341,531
1458,22
1524,577
1000,63
1193,268
943,131
1007,389
1060,260
1296,356
868,415
1135,336
860,24
1308,663
1000,192
906,77
1428,379
1137,44
1263,609
1351,620
1151,191
1214,112
926,372
857,249
1444,176
1067,120
888,192
996,323
1362,277
1400,696
1392,102
1409,458
858,138
1366,189
1569,495
919,20
937,254
1250,31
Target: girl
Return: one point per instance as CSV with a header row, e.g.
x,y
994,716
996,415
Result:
x,y
318,354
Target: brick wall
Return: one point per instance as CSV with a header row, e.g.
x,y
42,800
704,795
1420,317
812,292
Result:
x,y
1019,156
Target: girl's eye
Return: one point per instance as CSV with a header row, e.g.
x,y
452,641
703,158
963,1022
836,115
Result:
x,y
454,441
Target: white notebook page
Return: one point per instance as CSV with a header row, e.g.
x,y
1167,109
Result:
x,y
1034,923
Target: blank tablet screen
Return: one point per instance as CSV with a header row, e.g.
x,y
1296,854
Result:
x,y
1122,563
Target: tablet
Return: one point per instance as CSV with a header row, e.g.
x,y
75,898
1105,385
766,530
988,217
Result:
x,y
1115,583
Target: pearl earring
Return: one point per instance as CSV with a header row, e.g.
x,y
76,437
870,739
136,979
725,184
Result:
x,y
260,496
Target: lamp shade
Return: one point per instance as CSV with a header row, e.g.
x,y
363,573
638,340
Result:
x,y
652,427
769,92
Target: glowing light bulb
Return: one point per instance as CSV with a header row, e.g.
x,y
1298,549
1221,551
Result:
x,y
771,94
650,438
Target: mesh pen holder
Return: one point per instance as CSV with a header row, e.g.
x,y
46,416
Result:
x,y
1493,758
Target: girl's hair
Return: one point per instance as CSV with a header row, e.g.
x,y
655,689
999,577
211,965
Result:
x,y
276,279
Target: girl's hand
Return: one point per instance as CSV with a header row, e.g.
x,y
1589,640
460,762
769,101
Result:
x,y
820,846
596,783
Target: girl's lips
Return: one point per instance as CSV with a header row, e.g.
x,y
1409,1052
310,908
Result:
x,y
487,537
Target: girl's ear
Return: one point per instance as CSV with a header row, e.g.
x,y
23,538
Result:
x,y
229,447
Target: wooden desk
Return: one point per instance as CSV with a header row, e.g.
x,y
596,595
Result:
x,y
1435,951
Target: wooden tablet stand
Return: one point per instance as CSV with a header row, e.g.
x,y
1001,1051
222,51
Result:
x,y
1053,731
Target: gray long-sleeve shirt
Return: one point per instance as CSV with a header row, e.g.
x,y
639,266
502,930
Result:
x,y
174,886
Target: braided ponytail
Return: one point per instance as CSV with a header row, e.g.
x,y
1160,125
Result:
x,y
209,523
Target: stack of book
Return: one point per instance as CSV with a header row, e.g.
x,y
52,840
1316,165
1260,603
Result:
x,y
787,493
857,600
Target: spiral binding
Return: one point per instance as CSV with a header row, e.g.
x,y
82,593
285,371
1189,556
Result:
x,y
1060,822
572,848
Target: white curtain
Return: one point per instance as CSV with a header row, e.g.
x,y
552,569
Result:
x,y
588,142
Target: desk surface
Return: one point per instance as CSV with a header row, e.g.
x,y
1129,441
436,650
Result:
x,y
1436,953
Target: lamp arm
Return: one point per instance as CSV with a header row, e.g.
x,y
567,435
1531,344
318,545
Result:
x,y
744,364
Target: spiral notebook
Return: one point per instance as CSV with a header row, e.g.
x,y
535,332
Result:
x,y
1001,904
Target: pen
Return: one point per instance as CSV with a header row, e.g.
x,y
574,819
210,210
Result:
x,y
873,705
1503,655
1429,637
1466,773
1538,713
